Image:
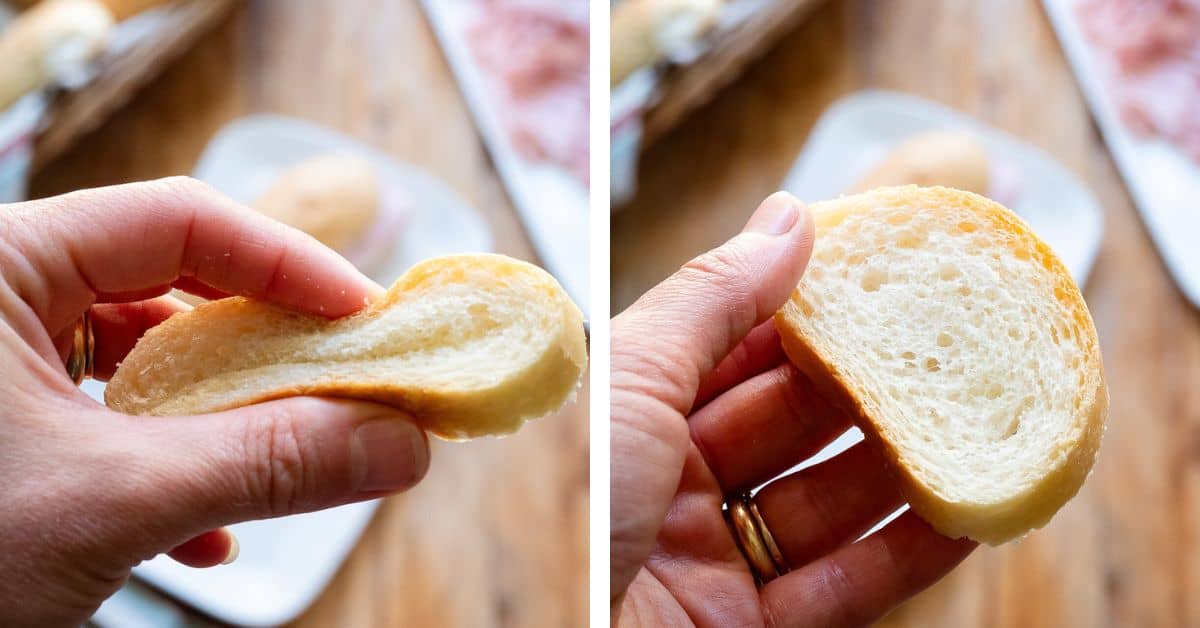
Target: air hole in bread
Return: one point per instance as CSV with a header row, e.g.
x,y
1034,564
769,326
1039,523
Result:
x,y
944,340
873,279
967,227
949,271
932,365
909,240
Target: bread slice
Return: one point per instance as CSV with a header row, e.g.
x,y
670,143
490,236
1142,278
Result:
x,y
959,343
469,345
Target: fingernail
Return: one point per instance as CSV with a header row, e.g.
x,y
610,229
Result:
x,y
776,216
235,548
392,454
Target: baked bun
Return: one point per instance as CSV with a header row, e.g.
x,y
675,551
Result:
x,y
959,343
955,159
48,40
469,345
334,198
643,32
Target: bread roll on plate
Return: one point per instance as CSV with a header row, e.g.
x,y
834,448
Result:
x,y
45,42
334,198
469,345
955,159
959,343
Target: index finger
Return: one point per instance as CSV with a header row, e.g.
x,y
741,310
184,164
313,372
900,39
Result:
x,y
80,247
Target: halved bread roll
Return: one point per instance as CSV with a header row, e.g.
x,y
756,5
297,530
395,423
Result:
x,y
959,343
469,345
48,40
643,32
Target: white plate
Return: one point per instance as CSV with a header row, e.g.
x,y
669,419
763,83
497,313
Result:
x,y
553,204
1163,181
856,132
285,563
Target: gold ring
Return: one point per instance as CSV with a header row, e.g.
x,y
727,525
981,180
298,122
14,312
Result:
x,y
80,363
754,540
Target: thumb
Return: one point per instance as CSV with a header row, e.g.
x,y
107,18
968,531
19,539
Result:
x,y
269,460
666,343
693,319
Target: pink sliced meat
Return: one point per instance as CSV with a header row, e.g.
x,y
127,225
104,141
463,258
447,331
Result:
x,y
537,52
1153,50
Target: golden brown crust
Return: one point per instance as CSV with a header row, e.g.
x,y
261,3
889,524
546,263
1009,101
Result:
x,y
987,523
196,344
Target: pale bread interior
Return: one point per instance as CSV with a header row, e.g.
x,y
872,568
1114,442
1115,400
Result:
x,y
470,345
962,346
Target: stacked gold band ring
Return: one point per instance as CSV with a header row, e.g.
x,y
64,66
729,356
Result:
x,y
754,539
80,363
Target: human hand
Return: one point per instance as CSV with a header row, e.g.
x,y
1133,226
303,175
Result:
x,y
705,405
90,493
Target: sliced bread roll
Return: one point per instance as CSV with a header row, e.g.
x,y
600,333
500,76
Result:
x,y
961,346
469,345
47,41
644,32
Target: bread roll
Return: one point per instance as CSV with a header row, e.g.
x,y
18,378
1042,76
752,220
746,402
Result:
x,y
469,345
47,40
643,32
123,9
120,9
334,198
959,343
955,159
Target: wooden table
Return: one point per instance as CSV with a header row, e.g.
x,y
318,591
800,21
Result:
x,y
497,533
1126,552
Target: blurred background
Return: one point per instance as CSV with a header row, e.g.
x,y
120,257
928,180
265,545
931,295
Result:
x,y
733,113
497,533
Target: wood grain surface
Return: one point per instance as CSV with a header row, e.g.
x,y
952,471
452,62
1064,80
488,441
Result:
x,y
1126,552
497,533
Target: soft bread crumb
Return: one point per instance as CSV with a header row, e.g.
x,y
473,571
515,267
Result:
x,y
963,347
470,345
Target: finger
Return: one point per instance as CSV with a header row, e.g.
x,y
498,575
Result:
x,y
123,239
860,583
269,460
681,329
758,353
812,512
215,547
764,427
116,328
